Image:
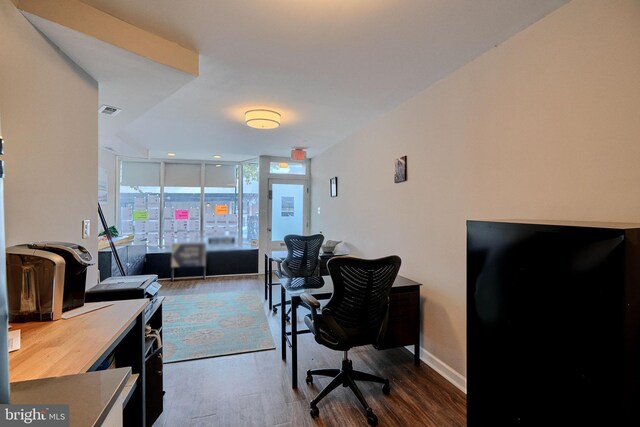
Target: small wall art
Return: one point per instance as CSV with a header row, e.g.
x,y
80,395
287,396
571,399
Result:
x,y
333,186
400,174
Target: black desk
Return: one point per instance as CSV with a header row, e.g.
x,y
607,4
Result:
x,y
278,257
269,259
403,328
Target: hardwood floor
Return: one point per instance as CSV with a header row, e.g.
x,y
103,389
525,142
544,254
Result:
x,y
254,389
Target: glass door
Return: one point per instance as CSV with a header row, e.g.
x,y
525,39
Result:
x,y
288,210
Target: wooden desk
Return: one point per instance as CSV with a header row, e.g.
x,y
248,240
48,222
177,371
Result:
x,y
81,344
403,327
93,397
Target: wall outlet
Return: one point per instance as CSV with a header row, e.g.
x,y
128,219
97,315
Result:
x,y
86,228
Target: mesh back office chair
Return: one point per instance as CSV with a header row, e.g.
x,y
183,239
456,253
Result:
x,y
300,269
355,315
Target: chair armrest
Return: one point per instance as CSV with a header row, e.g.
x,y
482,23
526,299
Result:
x,y
283,267
309,301
336,331
312,305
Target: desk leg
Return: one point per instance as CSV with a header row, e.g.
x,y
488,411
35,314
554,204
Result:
x,y
294,342
266,281
270,284
130,352
283,326
416,347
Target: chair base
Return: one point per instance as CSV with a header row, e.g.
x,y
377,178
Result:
x,y
287,316
346,376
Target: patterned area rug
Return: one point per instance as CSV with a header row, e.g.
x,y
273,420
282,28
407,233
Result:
x,y
214,324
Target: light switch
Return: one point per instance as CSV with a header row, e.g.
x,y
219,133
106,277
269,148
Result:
x,y
86,228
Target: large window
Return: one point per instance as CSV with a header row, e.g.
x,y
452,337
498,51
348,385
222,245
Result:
x,y
221,203
250,201
140,200
192,201
182,201
287,168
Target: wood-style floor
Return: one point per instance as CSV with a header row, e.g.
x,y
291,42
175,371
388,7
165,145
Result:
x,y
254,389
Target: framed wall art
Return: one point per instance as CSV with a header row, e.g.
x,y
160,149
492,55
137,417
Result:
x,y
400,173
333,186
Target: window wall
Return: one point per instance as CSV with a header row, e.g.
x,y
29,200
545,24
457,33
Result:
x,y
221,199
170,202
139,196
250,201
287,168
182,199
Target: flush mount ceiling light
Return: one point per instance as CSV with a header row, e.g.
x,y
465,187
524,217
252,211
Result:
x,y
170,154
262,119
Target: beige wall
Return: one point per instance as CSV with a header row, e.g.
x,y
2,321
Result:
x,y
50,123
545,126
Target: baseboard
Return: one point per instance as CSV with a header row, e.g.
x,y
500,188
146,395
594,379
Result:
x,y
443,369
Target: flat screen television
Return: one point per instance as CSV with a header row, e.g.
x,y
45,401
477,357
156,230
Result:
x,y
553,326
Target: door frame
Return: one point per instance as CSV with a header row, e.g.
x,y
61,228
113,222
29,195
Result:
x,y
279,245
264,202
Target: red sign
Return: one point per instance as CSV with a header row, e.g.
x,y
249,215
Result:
x,y
182,214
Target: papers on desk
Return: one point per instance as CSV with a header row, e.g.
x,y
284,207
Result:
x,y
86,308
14,340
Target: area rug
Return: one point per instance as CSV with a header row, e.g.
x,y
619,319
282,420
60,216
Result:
x,y
213,324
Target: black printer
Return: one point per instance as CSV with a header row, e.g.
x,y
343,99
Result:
x,y
125,287
137,287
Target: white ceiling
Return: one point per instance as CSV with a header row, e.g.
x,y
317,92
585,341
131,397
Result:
x,y
328,66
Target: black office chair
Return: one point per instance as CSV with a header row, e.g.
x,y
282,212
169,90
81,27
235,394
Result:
x,y
300,269
355,315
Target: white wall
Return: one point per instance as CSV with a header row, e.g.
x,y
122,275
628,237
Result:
x,y
49,120
545,126
108,162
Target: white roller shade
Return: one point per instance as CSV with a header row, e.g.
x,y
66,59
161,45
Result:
x,y
181,175
145,174
220,176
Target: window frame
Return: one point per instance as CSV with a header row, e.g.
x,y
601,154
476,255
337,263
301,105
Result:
x,y
238,191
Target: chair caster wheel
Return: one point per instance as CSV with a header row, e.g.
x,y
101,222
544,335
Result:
x,y
288,319
315,412
309,379
275,310
372,420
386,389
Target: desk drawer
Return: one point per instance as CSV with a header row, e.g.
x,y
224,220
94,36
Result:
x,y
404,319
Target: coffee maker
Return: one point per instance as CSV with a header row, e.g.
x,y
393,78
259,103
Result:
x,y
45,279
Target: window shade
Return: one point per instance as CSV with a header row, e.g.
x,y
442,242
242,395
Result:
x,y
221,176
181,175
140,174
